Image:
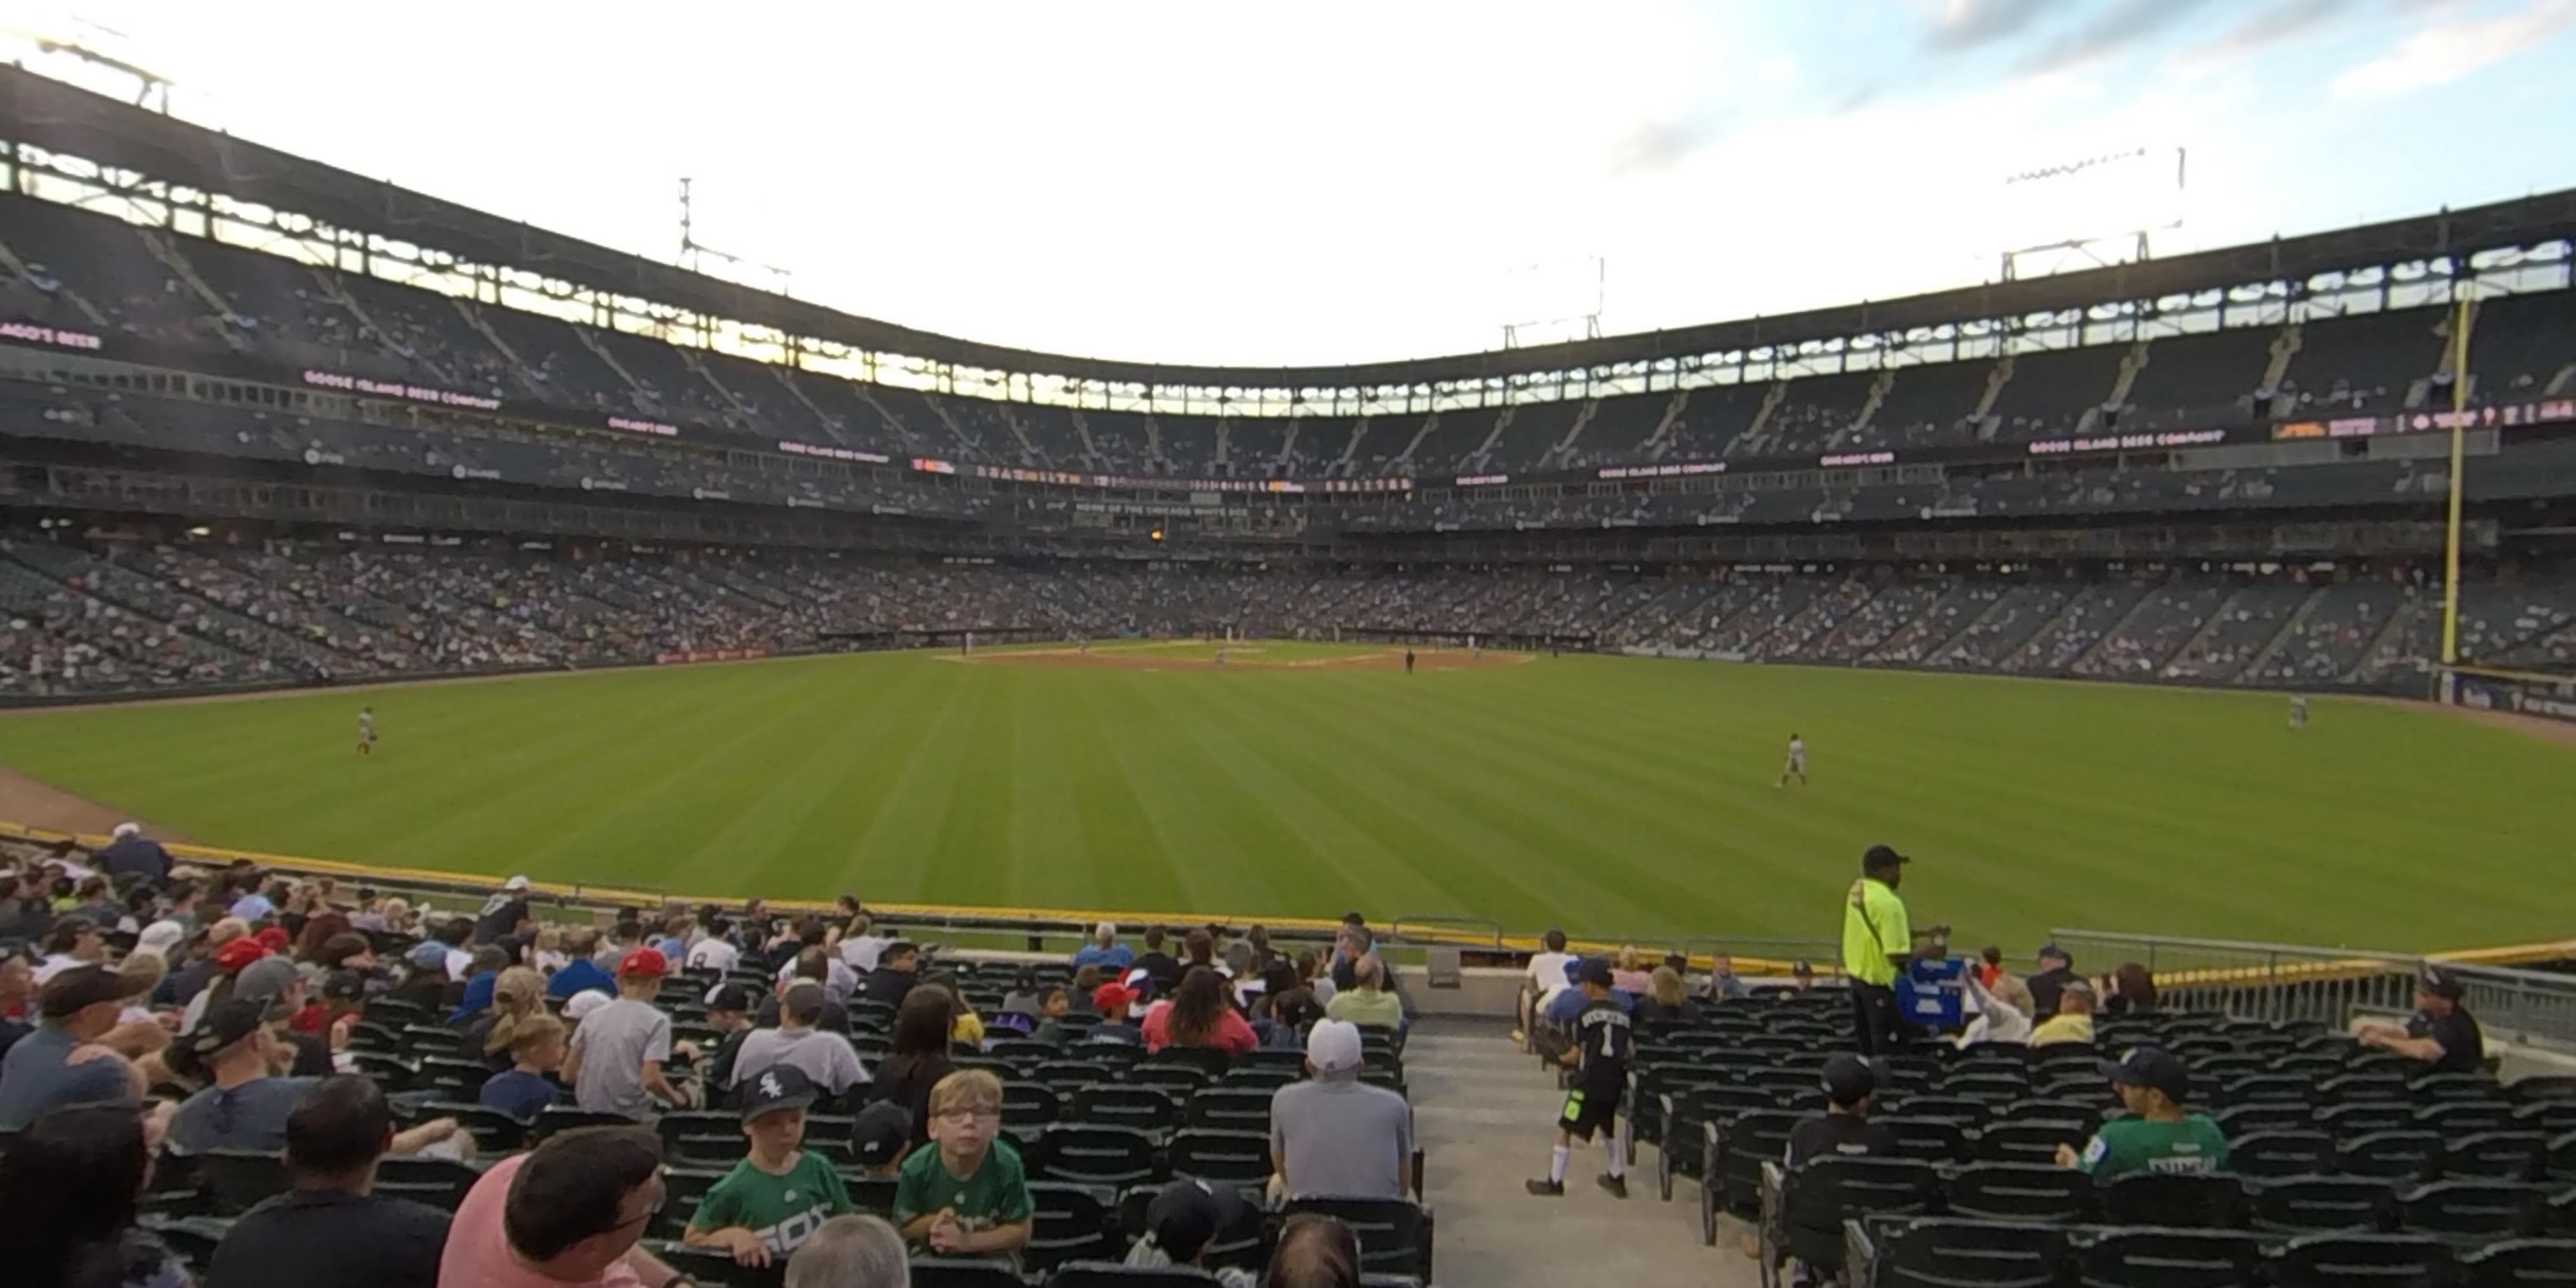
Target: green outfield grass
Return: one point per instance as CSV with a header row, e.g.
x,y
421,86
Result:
x,y
1612,796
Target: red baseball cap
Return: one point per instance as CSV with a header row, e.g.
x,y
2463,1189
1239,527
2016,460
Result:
x,y
239,953
1109,997
644,962
275,939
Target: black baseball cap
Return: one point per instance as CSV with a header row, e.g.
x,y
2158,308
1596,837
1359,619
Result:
x,y
79,988
2440,982
780,1086
1849,1079
2152,1066
1879,858
2052,950
881,1134
1188,1216
729,997
226,1023
1595,970
344,986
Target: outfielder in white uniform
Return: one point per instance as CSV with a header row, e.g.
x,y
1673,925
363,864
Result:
x,y
366,731
1797,764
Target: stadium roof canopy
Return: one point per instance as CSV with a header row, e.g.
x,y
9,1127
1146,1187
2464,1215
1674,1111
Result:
x,y
62,118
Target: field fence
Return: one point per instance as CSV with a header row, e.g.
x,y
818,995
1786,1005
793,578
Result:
x,y
2327,985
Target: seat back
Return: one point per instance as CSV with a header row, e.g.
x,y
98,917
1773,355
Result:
x,y
2496,1156
1931,1140
1072,1223
2170,1259
1145,1108
2475,1210
2019,1192
2027,1140
237,1180
2361,1261
1240,1158
2520,1263
439,1182
1394,1234
2323,1203
964,1272
2281,1153
1819,1196
1094,1154
1229,1109
2179,1201
1937,1253
2393,1155
1112,1274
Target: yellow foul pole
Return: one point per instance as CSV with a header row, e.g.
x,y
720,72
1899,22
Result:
x,y
2459,461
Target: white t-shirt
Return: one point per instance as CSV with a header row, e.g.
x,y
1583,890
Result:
x,y
863,952
460,964
839,981
55,964
1547,973
714,954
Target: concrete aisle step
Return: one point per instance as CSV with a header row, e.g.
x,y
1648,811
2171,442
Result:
x,y
1484,1114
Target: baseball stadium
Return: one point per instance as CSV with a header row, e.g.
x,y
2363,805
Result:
x,y
2179,647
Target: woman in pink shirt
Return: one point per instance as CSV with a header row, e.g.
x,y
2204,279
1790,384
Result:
x,y
1199,1015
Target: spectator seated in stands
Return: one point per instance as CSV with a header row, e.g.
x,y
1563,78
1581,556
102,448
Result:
x,y
880,1139
2440,1033
582,974
62,1063
1314,1252
17,1001
503,913
618,1050
329,1230
1159,966
772,1200
2056,971
1334,1134
729,1014
1368,1001
1565,1006
2074,1019
1549,973
1628,972
2130,990
1599,1047
1104,950
855,1251
73,941
129,853
509,996
1053,1005
965,1195
1724,984
536,1047
1111,1002
69,1187
245,1105
919,1060
2003,1010
1183,1221
898,969
1667,999
1199,1014
571,1211
815,959
715,950
825,1059
1844,1129
2159,1135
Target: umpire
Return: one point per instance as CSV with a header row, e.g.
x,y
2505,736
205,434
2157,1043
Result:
x,y
1878,941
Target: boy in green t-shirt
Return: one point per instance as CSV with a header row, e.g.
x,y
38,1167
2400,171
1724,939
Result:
x,y
778,1193
963,1194
2159,1135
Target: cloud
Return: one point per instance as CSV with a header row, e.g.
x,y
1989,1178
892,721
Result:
x,y
2445,52
2278,23
2113,31
1971,24
1653,147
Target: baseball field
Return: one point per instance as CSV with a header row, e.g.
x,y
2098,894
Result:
x,y
1615,797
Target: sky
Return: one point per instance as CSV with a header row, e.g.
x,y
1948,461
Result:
x,y
1329,182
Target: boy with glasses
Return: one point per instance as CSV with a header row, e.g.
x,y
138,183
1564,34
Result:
x,y
964,1194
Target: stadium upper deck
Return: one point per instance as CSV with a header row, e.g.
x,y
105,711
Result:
x,y
378,333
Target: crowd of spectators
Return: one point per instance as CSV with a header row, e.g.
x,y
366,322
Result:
x,y
81,618
133,1094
